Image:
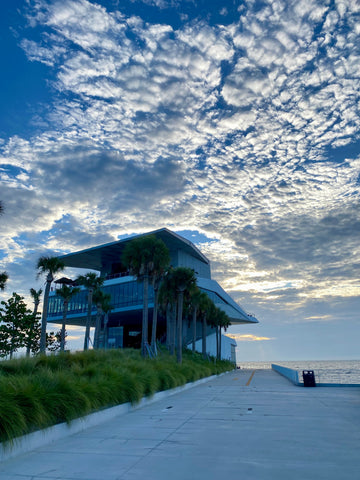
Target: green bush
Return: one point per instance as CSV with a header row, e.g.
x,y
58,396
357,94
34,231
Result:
x,y
42,391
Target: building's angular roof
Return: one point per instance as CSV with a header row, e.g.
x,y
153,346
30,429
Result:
x,y
96,257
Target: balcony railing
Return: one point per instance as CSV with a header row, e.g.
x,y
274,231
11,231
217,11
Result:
x,y
127,294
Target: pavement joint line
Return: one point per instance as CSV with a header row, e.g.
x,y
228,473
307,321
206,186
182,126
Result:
x,y
251,377
167,438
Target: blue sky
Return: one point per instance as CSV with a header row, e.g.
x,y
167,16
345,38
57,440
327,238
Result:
x,y
234,122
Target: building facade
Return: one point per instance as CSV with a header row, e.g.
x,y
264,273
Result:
x,y
124,323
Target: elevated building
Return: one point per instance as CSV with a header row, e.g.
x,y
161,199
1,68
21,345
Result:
x,y
124,326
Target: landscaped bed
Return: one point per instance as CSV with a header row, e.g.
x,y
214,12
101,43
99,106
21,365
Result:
x,y
39,392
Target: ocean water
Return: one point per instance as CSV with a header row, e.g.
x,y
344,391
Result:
x,y
330,371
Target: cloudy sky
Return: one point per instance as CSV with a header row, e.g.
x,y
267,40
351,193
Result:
x,y
234,123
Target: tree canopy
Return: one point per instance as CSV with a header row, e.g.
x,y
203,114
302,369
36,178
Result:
x,y
146,257
19,328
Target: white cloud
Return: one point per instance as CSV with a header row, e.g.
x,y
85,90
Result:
x,y
248,338
235,130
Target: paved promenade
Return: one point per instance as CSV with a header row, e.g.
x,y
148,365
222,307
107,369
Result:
x,y
243,425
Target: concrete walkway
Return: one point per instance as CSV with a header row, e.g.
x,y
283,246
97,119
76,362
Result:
x,y
241,425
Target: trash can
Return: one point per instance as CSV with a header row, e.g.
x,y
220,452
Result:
x,y
309,378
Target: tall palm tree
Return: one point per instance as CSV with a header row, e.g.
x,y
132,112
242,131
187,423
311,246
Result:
x,y
106,308
224,322
3,279
168,303
204,307
48,266
97,300
66,292
145,256
184,280
195,299
157,278
35,294
213,319
102,301
91,281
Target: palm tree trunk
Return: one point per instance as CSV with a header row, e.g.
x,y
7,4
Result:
x,y
173,329
28,345
217,341
88,320
168,326
179,327
194,330
144,333
97,326
220,342
204,337
31,330
154,325
62,338
106,321
49,279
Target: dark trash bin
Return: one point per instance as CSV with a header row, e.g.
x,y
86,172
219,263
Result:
x,y
309,378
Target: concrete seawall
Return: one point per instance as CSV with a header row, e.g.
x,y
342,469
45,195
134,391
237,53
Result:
x,y
293,376
288,373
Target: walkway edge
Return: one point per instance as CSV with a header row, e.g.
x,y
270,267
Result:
x,y
37,439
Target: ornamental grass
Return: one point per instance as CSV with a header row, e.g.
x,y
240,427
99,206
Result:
x,y
42,391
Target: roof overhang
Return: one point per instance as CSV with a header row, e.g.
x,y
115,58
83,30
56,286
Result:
x,y
96,257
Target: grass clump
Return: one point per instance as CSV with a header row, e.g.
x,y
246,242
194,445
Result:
x,y
42,391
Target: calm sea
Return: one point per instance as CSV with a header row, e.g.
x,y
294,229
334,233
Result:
x,y
331,371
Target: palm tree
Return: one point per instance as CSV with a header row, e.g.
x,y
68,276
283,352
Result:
x,y
168,303
184,280
106,308
97,299
3,279
102,301
157,278
195,298
49,266
204,307
224,322
66,292
35,294
90,281
145,256
213,319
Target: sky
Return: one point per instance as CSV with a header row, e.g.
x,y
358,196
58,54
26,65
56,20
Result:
x,y
233,123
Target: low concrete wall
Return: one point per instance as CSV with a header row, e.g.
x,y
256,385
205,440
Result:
x,y
293,376
288,373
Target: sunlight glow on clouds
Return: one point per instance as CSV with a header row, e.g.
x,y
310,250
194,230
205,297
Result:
x,y
247,338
